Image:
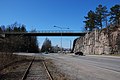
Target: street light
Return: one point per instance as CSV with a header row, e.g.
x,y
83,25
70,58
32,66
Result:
x,y
61,34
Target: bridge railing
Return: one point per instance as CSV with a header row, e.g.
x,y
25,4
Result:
x,y
50,31
58,31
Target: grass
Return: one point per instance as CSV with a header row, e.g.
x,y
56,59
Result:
x,y
7,58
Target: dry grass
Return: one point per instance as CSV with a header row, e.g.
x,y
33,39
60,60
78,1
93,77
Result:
x,y
56,74
7,58
15,71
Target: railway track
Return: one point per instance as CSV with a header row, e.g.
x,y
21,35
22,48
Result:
x,y
37,70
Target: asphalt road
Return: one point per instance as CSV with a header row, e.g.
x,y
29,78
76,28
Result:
x,y
87,67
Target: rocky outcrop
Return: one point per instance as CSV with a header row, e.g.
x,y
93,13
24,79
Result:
x,y
105,41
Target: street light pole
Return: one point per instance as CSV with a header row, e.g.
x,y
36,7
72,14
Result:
x,y
70,45
61,41
61,35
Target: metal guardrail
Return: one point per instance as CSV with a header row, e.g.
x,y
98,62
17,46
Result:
x,y
58,31
49,31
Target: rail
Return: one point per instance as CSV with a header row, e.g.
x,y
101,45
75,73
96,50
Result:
x,y
29,67
27,70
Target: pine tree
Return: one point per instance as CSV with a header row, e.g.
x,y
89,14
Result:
x,y
101,15
47,46
115,14
90,22
0,29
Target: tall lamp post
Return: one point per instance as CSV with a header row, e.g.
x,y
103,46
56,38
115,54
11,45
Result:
x,y
61,35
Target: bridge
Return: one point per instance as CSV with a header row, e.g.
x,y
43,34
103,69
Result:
x,y
47,33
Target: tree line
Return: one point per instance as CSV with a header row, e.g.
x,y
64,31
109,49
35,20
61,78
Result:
x,y
47,46
96,19
17,43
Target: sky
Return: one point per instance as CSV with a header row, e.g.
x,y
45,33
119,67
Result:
x,y
44,14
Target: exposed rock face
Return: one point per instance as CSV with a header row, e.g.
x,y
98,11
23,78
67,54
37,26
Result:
x,y
106,41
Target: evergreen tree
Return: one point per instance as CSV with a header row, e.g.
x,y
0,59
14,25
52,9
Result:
x,y
101,15
23,29
0,29
115,14
8,29
46,46
90,22
18,43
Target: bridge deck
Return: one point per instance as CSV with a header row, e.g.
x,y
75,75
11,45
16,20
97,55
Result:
x,y
46,33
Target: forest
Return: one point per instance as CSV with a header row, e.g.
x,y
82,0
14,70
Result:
x,y
102,17
17,43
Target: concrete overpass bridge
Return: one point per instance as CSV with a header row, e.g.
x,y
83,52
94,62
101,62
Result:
x,y
47,33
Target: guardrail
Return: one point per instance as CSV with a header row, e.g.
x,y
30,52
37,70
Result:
x,y
49,31
58,31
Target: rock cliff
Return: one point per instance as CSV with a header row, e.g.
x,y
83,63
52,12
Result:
x,y
105,41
